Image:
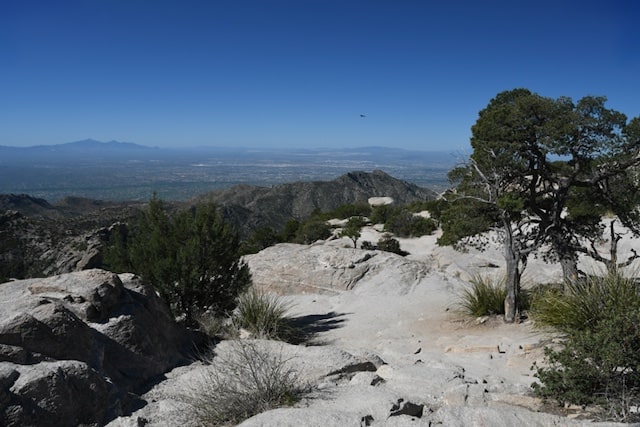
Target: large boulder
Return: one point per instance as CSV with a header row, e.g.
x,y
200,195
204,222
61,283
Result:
x,y
94,334
289,268
53,394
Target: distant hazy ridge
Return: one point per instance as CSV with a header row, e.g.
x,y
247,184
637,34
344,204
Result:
x,y
125,171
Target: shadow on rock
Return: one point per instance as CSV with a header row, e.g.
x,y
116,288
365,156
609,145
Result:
x,y
310,326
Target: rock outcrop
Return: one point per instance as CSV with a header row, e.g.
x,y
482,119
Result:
x,y
38,239
289,268
75,349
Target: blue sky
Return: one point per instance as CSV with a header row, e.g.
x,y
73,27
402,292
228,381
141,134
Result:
x,y
299,73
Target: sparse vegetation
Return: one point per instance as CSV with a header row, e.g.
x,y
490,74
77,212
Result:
x,y
484,296
244,382
385,243
264,316
352,229
599,359
402,220
312,231
361,209
389,244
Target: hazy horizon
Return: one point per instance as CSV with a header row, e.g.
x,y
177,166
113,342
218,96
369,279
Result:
x,y
300,147
121,171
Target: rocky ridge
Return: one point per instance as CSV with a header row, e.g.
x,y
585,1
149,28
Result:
x,y
38,238
77,349
251,207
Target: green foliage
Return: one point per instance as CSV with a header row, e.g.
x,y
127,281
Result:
x,y
312,231
405,224
385,243
260,239
435,208
191,258
389,244
463,219
368,246
352,229
401,221
582,303
290,230
250,380
485,296
348,211
380,214
265,316
598,363
417,207
531,155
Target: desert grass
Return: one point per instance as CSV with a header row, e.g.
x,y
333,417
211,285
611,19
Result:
x,y
264,316
245,381
484,296
582,303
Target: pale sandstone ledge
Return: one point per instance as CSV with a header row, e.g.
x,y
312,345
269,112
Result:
x,y
389,349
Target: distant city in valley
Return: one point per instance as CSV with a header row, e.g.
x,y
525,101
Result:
x,y
123,171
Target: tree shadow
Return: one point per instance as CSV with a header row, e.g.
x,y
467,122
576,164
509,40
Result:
x,y
309,326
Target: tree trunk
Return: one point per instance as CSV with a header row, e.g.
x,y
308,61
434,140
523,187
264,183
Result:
x,y
513,258
511,312
569,264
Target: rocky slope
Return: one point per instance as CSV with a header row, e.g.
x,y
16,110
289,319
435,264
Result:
x,y
76,349
40,239
250,207
386,348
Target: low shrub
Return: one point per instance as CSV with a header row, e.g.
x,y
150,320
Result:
x,y
389,244
598,362
403,223
348,211
249,380
368,246
312,231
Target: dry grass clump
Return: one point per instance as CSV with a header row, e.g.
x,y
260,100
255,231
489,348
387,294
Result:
x,y
261,314
264,316
246,381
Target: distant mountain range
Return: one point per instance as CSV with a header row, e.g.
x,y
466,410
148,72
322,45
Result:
x,y
85,144
126,171
88,146
73,149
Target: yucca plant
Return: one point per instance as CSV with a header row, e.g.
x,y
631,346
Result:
x,y
484,296
264,315
597,365
582,303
